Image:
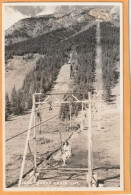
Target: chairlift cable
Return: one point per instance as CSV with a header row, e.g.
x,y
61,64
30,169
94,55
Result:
x,y
30,129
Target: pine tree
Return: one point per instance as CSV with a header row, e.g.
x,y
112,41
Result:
x,y
19,102
14,100
7,106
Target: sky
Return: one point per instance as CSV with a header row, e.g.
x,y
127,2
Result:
x,y
12,14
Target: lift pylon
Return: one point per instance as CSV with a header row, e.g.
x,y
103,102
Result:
x,y
56,100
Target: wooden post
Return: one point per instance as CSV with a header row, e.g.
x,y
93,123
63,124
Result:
x,y
70,117
66,122
99,109
40,125
39,118
90,155
99,127
35,165
70,70
82,125
26,147
60,140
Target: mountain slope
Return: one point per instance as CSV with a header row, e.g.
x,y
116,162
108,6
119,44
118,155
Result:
x,y
37,26
17,68
55,42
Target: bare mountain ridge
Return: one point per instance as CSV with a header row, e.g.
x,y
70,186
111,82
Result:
x,y
100,14
37,26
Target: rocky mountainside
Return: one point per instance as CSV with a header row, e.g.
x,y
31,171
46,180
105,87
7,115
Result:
x,y
37,26
115,12
100,14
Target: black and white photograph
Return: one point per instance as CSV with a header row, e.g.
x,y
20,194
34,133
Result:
x,y
63,96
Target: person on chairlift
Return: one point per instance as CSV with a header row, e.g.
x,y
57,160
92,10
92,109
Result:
x,y
66,152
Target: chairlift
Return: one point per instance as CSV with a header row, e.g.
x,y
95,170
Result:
x,y
50,108
38,114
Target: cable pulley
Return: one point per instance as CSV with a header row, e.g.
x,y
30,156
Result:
x,y
38,114
50,104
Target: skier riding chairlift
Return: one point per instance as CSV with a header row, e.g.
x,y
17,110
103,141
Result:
x,y
66,154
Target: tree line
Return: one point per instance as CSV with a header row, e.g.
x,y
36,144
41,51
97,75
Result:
x,y
42,77
56,53
110,43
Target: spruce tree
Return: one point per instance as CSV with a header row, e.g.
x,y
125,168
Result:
x,y
7,106
14,100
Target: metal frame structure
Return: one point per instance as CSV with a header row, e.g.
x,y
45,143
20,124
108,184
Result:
x,y
33,119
